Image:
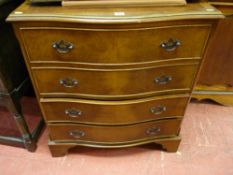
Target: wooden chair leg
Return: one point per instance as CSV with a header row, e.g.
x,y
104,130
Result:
x,y
29,144
14,107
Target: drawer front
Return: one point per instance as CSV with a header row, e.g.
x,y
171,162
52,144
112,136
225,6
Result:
x,y
78,132
115,45
113,83
113,112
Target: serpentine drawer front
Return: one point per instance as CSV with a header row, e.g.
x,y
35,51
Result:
x,y
112,113
115,45
74,132
111,81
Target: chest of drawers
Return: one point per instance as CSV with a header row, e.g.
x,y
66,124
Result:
x,y
113,77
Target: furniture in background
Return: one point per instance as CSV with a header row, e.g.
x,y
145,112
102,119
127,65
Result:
x,y
216,79
14,84
108,78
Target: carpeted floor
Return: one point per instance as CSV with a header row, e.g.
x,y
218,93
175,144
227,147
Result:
x,y
206,149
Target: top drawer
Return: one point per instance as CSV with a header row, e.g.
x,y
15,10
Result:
x,y
114,45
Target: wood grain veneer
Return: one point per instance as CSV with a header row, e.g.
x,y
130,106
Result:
x,y
114,69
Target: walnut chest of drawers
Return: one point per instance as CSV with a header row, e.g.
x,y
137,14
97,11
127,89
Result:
x,y
113,77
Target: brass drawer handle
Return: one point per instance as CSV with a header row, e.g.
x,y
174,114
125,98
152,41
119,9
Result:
x,y
153,131
77,134
170,45
62,46
163,79
73,112
158,110
68,82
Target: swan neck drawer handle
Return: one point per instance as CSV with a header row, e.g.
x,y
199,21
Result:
x,y
170,45
62,46
153,131
73,112
77,134
163,79
68,82
158,110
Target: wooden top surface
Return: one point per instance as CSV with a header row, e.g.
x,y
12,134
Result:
x,y
26,12
226,1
